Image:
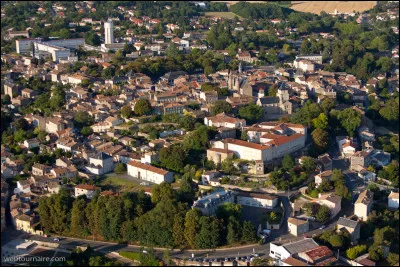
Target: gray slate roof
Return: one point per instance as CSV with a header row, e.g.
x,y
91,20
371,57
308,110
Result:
x,y
347,222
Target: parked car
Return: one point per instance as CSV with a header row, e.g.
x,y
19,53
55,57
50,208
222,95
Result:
x,y
56,239
322,227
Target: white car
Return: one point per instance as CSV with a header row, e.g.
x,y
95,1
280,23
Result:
x,y
322,227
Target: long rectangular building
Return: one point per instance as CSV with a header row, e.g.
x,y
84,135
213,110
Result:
x,y
149,173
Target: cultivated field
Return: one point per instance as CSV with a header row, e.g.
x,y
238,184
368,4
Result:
x,y
229,3
330,6
225,15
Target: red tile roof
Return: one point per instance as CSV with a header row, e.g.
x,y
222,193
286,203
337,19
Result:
x,y
148,167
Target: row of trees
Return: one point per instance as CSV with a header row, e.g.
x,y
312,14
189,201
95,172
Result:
x,y
134,217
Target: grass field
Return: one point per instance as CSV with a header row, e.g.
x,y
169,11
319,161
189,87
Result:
x,y
130,255
122,184
330,6
229,3
225,15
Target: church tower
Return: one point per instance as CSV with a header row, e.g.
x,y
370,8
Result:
x,y
283,94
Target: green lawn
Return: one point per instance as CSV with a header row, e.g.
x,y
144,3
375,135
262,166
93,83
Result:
x,y
226,15
122,184
130,255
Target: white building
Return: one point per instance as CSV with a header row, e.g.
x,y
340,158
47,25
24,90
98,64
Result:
x,y
298,227
149,173
256,200
100,163
280,252
223,120
108,32
85,189
363,204
393,200
267,152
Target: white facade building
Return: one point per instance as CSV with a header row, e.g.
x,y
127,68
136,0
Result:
x,y
149,173
393,200
108,32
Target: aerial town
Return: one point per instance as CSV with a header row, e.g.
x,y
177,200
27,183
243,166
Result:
x,y
200,133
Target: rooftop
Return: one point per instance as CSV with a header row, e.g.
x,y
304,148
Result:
x,y
147,167
365,197
347,222
301,245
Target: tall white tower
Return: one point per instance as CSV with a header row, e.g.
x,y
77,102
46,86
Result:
x,y
109,32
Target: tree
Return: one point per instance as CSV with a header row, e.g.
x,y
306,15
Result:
x,y
355,251
273,90
249,232
308,164
328,104
384,236
172,51
142,107
221,106
226,210
336,241
321,122
173,158
192,226
243,136
82,118
6,100
376,252
21,124
92,38
320,139
288,162
126,111
393,259
162,192
178,231
120,168
78,220
350,119
86,131
187,122
228,167
234,231
208,236
251,113
323,214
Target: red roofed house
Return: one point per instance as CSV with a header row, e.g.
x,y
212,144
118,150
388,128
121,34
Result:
x,y
149,173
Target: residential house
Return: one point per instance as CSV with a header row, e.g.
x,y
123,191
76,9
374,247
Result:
x,y
100,163
298,227
252,199
223,120
333,201
322,176
363,204
350,226
149,173
393,200
85,189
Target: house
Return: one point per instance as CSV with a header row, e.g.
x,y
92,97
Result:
x,y
149,173
85,189
207,176
352,227
31,143
324,162
298,227
363,204
256,199
23,186
223,120
100,163
40,169
27,223
279,252
319,178
393,200
208,204
333,201
319,256
367,175
361,158
217,155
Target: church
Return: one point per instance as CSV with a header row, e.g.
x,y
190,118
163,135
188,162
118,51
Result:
x,y
274,106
